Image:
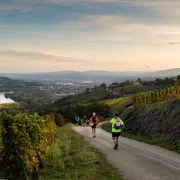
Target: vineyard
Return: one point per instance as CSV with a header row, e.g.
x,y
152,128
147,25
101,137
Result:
x,y
156,96
112,102
25,142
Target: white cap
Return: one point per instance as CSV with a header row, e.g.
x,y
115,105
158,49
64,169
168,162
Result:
x,y
94,114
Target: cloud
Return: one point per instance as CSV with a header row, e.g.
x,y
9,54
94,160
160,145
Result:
x,y
38,56
117,28
80,1
34,5
174,43
166,8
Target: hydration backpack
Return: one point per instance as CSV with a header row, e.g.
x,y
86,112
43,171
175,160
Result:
x,y
117,125
94,119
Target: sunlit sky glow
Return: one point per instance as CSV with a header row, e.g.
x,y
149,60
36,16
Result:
x,y
115,35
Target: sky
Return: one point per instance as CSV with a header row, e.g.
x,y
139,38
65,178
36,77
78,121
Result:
x,y
114,35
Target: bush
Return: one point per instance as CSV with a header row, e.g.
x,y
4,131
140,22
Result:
x,y
25,139
57,118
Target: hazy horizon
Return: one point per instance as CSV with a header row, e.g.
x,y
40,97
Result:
x,y
98,70
81,35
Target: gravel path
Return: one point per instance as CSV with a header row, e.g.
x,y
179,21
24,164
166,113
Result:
x,y
135,160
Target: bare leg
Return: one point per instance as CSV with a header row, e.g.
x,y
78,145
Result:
x,y
117,139
116,143
114,140
95,132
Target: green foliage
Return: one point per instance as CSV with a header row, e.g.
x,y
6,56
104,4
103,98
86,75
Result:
x,y
70,158
157,121
178,78
7,84
70,112
122,84
14,108
129,89
25,139
103,85
167,81
84,98
58,118
32,102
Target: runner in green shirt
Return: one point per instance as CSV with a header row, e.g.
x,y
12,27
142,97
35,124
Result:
x,y
117,124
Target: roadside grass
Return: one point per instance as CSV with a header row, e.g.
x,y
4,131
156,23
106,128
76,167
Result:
x,y
70,158
149,140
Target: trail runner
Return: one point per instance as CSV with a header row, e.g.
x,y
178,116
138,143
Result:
x,y
94,121
117,125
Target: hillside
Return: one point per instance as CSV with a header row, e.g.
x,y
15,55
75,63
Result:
x,y
164,73
159,120
84,98
132,89
4,79
8,84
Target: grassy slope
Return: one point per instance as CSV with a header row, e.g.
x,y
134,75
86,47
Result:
x,y
84,98
70,158
100,96
160,120
116,103
131,89
112,102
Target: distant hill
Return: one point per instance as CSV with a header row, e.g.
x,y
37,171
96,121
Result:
x,y
75,76
95,76
4,78
10,84
164,73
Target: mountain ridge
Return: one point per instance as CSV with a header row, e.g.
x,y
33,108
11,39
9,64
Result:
x,y
93,75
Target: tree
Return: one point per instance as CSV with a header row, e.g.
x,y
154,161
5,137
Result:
x,y
87,90
139,80
103,85
178,78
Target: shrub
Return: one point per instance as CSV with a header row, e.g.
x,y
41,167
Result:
x,y
25,140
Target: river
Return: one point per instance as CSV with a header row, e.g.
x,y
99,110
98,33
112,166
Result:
x,y
4,100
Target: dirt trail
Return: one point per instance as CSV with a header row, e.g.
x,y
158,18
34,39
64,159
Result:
x,y
135,160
